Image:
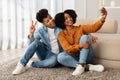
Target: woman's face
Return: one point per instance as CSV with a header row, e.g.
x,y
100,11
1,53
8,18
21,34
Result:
x,y
68,20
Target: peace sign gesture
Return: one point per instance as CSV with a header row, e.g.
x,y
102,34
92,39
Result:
x,y
32,29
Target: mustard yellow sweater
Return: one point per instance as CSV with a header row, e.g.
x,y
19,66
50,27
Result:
x,y
70,42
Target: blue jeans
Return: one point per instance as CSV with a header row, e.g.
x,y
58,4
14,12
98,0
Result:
x,y
85,56
47,58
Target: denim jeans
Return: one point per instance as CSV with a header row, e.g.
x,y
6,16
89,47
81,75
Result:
x,y
85,56
47,58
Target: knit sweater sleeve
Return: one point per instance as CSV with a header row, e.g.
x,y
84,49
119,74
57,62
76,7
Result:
x,y
70,49
91,28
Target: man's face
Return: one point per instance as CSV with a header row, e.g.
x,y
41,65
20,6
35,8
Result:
x,y
49,22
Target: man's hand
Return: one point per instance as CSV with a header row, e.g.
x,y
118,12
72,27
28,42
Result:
x,y
93,38
32,29
104,14
84,45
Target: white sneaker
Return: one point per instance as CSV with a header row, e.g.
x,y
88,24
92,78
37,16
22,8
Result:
x,y
79,70
19,69
99,68
29,64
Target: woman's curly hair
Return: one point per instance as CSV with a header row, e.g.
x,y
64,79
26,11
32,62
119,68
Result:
x,y
60,19
43,13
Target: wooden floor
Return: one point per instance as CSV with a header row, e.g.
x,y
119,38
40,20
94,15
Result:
x,y
7,55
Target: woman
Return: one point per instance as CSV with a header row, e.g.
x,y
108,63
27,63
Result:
x,y
77,45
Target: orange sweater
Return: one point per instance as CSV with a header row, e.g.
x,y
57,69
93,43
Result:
x,y
70,42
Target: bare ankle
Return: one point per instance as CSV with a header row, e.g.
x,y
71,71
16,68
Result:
x,y
82,64
87,67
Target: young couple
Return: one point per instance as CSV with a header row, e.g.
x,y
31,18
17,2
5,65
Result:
x,y
46,42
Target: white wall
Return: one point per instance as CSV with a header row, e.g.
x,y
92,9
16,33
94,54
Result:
x,y
68,4
80,7
87,8
90,9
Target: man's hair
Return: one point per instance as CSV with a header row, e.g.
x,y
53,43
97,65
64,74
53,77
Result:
x,y
43,13
72,13
59,20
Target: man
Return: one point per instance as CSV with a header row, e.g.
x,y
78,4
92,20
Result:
x,y
43,41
